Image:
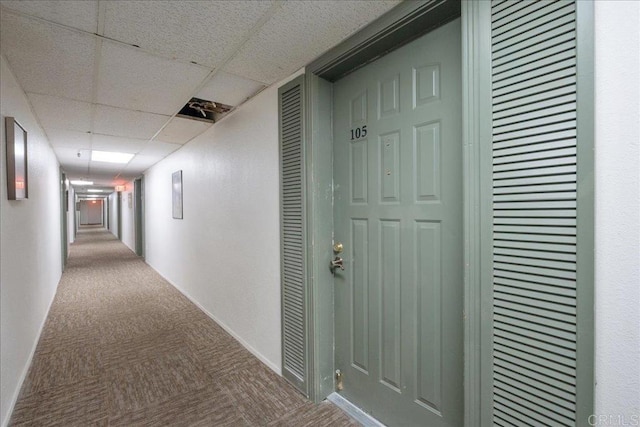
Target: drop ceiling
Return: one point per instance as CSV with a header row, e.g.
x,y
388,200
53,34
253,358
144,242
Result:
x,y
111,75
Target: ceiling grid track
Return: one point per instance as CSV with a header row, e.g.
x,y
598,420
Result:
x,y
99,34
96,78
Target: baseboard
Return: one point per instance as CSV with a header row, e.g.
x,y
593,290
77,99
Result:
x,y
277,369
353,411
25,370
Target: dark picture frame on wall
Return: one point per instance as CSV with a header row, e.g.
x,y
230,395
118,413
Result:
x,y
17,170
176,194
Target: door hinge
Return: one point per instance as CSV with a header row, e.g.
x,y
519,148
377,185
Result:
x,y
339,379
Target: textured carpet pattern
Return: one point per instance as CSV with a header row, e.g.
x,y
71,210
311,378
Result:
x,y
122,347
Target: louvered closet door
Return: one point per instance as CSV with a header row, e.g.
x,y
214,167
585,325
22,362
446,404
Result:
x,y
294,336
535,287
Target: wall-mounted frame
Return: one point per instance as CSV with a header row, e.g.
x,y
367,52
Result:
x,y
17,183
176,194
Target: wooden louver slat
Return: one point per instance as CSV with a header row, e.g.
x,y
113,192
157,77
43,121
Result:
x,y
534,213
292,238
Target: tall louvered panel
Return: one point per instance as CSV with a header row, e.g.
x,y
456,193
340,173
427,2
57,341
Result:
x,y
294,346
534,86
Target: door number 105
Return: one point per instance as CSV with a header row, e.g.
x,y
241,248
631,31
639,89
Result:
x,y
358,133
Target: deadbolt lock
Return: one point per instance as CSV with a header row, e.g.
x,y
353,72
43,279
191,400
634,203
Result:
x,y
338,247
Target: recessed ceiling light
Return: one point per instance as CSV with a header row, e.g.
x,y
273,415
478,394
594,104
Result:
x,y
110,157
94,190
81,182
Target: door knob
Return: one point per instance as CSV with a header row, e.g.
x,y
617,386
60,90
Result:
x,y
336,263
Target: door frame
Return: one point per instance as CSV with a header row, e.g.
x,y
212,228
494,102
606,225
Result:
x,y
76,215
119,214
64,209
106,212
138,212
401,25
404,23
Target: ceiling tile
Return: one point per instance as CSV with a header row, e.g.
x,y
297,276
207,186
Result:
x,y
100,178
77,14
204,32
229,89
181,131
61,113
99,175
139,89
68,158
69,139
121,122
105,167
76,171
141,163
117,143
135,80
48,59
300,32
159,149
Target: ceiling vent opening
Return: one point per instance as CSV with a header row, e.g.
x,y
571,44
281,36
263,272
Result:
x,y
203,110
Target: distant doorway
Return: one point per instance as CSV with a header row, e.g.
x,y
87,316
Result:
x,y
64,209
91,212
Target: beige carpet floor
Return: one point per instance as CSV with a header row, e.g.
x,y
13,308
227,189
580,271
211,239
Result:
x,y
122,347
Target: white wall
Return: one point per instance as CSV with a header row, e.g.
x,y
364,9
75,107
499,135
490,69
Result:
x,y
617,166
30,248
128,220
103,213
225,253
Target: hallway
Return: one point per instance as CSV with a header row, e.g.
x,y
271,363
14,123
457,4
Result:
x,y
123,347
